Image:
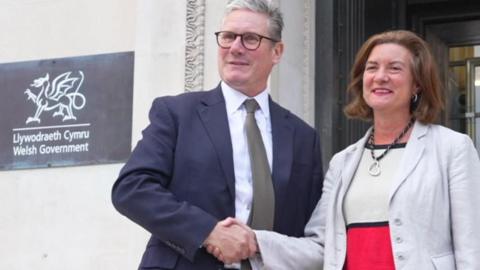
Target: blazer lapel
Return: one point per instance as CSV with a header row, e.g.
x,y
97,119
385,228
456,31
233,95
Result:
x,y
413,152
213,113
352,159
282,148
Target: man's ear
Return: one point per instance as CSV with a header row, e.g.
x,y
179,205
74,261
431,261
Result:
x,y
277,52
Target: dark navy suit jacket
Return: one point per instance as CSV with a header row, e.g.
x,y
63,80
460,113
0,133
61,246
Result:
x,y
179,180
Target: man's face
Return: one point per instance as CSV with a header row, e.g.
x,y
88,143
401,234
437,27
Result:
x,y
243,69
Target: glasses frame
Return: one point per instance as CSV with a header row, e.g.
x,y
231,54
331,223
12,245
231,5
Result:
x,y
261,37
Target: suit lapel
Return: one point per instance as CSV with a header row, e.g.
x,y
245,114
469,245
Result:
x,y
213,113
413,152
282,147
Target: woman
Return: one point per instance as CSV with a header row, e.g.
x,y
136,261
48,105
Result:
x,y
406,195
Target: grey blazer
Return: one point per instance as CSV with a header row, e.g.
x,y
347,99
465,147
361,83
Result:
x,y
434,211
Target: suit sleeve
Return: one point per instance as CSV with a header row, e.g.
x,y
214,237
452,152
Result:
x,y
141,191
464,187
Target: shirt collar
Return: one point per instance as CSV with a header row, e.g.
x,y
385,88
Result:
x,y
234,99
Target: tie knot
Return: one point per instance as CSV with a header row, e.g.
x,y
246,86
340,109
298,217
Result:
x,y
251,105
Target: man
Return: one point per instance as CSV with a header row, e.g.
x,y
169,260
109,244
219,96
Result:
x,y
193,168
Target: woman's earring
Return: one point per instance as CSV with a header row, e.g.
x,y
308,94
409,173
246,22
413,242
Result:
x,y
414,102
414,98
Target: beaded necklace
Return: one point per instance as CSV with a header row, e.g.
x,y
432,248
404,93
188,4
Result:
x,y
374,169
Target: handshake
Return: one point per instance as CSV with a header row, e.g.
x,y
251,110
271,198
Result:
x,y
231,241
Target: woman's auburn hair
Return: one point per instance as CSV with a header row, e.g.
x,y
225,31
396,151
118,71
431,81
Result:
x,y
424,73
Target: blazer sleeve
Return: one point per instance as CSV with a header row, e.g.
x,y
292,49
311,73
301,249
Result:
x,y
141,191
464,188
281,252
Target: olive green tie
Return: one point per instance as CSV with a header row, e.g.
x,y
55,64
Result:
x,y
263,202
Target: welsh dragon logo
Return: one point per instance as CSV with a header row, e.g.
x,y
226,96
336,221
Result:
x,y
62,95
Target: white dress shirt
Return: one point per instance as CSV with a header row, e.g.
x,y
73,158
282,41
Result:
x,y
241,161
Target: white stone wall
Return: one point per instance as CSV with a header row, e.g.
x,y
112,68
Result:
x,y
62,218
293,82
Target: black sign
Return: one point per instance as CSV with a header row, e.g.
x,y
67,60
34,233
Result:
x,y
68,111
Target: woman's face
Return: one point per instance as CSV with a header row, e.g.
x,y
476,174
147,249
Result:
x,y
388,83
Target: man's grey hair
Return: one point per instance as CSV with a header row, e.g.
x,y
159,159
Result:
x,y
267,7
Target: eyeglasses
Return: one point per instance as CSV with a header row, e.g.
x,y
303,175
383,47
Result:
x,y
250,41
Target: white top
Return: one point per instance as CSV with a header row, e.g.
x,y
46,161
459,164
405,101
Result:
x,y
367,197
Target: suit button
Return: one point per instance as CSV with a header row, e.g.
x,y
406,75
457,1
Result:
x,y
400,257
398,239
397,222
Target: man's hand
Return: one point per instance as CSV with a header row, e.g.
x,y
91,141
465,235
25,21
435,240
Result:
x,y
231,241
